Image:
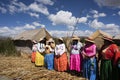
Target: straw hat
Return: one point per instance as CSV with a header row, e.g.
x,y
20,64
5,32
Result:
x,y
41,39
60,39
34,41
50,40
89,40
108,39
75,37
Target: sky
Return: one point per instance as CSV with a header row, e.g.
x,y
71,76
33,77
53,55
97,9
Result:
x,y
60,17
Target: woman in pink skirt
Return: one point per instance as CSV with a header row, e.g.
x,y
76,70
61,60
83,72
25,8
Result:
x,y
75,56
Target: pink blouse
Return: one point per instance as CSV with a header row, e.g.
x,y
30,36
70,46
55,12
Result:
x,y
90,50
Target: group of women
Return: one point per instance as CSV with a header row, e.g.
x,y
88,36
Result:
x,y
83,58
50,55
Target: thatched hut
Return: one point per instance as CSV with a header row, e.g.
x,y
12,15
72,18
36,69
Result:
x,y
23,41
97,36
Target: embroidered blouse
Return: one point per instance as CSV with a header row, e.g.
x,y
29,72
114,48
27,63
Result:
x,y
75,49
60,49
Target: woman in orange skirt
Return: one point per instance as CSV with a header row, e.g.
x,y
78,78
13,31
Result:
x,y
60,60
34,49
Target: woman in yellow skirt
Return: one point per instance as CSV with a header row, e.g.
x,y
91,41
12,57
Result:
x,y
39,59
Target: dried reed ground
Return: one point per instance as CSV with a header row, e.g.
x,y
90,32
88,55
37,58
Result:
x,y
18,68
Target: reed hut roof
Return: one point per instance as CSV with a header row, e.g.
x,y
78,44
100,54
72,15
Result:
x,y
36,34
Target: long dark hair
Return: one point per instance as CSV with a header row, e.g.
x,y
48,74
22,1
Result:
x,y
60,41
43,41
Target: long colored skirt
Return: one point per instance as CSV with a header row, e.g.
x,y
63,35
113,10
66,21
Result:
x,y
75,62
33,57
89,69
106,70
60,63
39,59
49,61
116,68
116,73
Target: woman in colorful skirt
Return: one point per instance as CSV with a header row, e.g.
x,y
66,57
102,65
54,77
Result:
x,y
75,56
89,59
107,55
60,60
34,49
49,56
39,58
116,72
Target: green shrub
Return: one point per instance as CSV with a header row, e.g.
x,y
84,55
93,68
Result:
x,y
7,48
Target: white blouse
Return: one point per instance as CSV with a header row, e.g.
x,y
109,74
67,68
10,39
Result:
x,y
60,49
75,49
34,47
41,47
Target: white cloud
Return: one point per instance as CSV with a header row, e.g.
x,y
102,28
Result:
x,y
95,24
34,15
12,31
38,24
6,31
13,6
20,6
113,31
56,33
119,13
96,14
63,18
32,9
29,26
113,14
46,2
34,25
66,18
88,16
82,20
12,9
99,15
39,8
100,25
102,14
109,28
108,3
3,10
24,27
